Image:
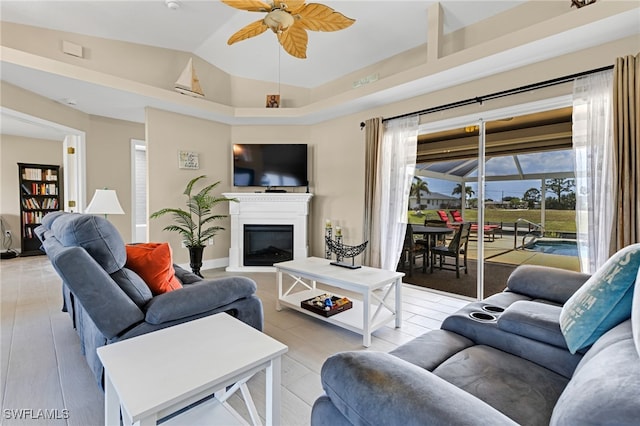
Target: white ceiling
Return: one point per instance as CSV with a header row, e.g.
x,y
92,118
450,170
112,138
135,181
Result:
x,y
382,29
17,125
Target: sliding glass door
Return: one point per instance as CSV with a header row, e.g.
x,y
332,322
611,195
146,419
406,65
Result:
x,y
503,177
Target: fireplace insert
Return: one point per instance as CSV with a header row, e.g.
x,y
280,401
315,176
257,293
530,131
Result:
x,y
265,245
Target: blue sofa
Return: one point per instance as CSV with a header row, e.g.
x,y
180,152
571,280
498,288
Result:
x,y
556,347
108,302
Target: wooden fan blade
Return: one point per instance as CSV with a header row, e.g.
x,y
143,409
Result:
x,y
318,17
250,5
292,6
249,31
294,41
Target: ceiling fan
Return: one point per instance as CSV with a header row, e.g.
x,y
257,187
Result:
x,y
289,20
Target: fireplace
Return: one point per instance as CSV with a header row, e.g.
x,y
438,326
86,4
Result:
x,y
270,219
265,245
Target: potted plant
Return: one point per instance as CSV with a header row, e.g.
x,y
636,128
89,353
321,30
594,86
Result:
x,y
195,224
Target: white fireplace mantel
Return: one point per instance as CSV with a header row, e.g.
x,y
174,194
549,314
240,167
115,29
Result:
x,y
267,209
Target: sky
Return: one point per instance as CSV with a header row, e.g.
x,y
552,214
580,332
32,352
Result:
x,y
541,162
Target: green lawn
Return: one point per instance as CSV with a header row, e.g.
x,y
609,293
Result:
x,y
556,220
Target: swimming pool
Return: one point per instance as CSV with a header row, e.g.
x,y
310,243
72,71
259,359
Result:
x,y
561,247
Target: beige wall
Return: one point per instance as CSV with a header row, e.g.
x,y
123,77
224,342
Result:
x,y
166,134
17,149
108,159
145,64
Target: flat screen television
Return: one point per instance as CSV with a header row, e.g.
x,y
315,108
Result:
x,y
270,165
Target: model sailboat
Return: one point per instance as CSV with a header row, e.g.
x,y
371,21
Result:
x,y
188,83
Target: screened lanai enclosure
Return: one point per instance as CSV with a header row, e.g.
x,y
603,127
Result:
x,y
514,182
528,216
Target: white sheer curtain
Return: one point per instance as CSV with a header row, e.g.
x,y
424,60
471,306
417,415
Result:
x,y
396,167
595,167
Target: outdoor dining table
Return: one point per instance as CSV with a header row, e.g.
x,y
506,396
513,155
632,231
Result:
x,y
430,233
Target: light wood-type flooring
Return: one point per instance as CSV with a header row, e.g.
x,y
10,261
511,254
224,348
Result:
x,y
43,373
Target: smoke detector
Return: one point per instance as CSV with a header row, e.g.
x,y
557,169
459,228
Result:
x,y
172,4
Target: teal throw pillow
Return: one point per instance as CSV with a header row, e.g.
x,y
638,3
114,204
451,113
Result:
x,y
603,302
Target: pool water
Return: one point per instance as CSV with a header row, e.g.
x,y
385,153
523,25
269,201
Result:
x,y
561,247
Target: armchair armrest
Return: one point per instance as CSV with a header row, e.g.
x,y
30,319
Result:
x,y
379,388
198,298
543,282
186,277
537,321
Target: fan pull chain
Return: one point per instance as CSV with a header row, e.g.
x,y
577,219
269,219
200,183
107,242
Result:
x,y
279,68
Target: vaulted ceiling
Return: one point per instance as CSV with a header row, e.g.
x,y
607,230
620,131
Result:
x,y
382,29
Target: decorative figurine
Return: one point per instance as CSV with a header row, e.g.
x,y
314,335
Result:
x,y
342,251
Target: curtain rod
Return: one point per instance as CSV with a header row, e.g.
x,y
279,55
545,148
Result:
x,y
502,94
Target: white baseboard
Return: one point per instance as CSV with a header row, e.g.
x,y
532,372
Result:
x,y
209,264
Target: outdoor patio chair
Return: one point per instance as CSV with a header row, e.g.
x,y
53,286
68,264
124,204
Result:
x,y
456,248
457,216
445,218
489,230
411,250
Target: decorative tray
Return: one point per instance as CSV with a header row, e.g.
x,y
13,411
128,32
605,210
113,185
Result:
x,y
319,305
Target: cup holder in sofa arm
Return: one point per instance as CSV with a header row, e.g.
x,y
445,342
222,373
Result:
x,y
534,320
483,317
492,309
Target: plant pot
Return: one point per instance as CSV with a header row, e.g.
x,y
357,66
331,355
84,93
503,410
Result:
x,y
195,259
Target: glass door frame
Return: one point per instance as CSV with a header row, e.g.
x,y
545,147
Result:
x,y
480,119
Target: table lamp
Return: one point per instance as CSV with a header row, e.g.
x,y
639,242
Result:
x,y
105,201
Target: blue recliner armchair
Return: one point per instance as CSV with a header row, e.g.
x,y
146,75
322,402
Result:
x,y
108,302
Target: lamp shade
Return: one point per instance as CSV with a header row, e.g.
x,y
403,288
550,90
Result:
x,y
105,201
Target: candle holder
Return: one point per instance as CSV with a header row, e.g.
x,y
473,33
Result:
x,y
328,233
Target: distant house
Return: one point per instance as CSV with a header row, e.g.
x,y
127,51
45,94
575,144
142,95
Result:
x,y
433,201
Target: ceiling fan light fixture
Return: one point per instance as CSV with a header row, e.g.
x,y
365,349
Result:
x,y
279,20
289,20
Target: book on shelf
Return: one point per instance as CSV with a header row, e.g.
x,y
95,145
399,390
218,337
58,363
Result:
x,y
44,188
32,217
50,175
29,173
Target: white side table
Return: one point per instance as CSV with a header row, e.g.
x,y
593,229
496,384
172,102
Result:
x,y
151,376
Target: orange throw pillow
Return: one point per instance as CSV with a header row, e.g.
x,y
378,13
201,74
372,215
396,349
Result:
x,y
154,263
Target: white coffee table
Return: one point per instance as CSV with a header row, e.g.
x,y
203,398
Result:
x,y
156,374
367,315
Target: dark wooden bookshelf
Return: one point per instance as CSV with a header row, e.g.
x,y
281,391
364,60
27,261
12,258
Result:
x,y
39,195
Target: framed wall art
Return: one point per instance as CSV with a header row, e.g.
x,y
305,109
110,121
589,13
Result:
x,y
188,160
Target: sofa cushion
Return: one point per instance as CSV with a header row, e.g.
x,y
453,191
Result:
x,y
605,388
375,388
154,263
546,283
94,234
430,349
603,301
49,218
535,320
522,390
133,285
635,314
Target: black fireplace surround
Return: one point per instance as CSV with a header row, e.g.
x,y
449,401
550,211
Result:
x,y
265,245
